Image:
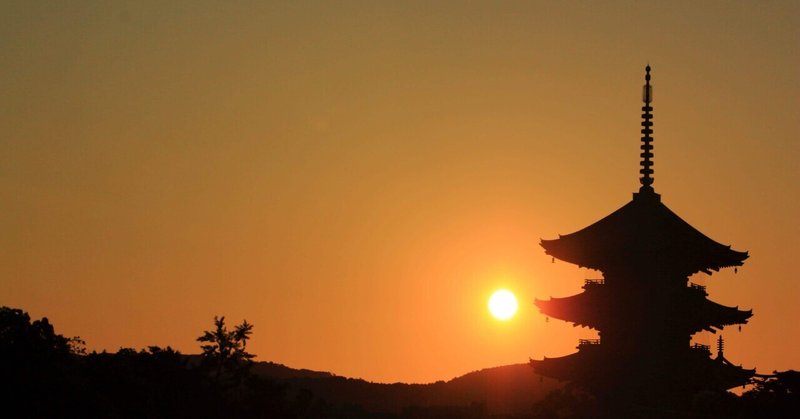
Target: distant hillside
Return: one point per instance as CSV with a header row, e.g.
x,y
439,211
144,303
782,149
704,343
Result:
x,y
282,372
510,389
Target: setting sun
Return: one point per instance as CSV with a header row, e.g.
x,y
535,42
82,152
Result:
x,y
503,304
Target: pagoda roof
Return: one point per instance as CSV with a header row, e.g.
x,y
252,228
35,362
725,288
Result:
x,y
644,232
590,366
691,310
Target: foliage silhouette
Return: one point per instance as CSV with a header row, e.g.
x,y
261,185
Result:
x,y
19,337
775,396
224,352
34,360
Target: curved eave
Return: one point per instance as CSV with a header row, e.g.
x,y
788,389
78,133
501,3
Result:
x,y
565,368
719,316
693,314
644,229
570,309
575,250
730,375
698,372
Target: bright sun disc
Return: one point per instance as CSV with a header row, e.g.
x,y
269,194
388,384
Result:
x,y
502,304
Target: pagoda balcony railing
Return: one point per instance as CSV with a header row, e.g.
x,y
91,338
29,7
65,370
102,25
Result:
x,y
699,288
592,282
588,342
701,348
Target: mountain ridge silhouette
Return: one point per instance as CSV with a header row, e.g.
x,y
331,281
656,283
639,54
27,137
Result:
x,y
508,389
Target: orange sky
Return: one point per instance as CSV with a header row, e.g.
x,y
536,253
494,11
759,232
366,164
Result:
x,y
355,179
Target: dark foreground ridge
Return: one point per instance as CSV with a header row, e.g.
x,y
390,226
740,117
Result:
x,y
45,374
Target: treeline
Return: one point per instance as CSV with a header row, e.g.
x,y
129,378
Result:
x,y
47,375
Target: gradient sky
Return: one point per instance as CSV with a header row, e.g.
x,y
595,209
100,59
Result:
x,y
356,178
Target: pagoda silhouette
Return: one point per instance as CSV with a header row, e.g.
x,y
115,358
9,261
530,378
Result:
x,y
644,307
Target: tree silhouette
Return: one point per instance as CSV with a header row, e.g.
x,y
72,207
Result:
x,y
35,360
224,351
20,337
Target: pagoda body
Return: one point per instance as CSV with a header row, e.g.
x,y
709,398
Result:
x,y
644,308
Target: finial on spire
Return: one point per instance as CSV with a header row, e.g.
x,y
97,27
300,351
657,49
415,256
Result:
x,y
647,149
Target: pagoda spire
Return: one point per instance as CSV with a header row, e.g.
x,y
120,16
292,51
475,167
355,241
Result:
x,y
647,149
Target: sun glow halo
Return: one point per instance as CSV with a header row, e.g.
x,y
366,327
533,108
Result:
x,y
503,304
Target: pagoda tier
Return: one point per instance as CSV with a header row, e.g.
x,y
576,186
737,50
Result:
x,y
643,235
687,310
599,370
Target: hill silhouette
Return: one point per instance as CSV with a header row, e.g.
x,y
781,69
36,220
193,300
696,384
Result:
x,y
504,390
48,375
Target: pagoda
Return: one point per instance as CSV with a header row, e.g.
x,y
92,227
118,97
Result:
x,y
644,307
